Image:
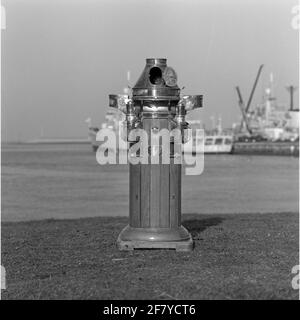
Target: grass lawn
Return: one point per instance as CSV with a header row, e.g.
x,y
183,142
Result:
x,y
245,256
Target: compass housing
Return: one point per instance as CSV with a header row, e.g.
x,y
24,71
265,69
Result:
x,y
157,82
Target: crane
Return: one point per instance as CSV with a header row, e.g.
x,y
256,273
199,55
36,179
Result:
x,y
246,108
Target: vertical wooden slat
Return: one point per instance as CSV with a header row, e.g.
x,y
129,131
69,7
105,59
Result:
x,y
175,193
135,195
164,212
179,166
145,186
155,195
145,195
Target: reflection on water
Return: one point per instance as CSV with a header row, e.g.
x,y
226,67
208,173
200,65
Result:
x,y
65,181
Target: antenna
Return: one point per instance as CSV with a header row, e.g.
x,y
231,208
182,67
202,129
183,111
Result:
x,y
271,89
3,18
127,89
213,123
128,76
89,122
219,126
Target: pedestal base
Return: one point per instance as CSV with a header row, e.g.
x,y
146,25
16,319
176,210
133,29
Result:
x,y
178,239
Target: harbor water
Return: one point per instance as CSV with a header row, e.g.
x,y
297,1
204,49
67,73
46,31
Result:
x,y
65,181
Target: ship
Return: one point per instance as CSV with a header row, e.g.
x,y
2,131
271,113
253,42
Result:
x,y
270,128
113,121
215,142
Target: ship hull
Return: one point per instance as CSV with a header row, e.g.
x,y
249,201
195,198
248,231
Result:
x,y
225,149
267,148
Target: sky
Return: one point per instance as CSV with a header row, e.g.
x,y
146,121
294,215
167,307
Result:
x,y
61,59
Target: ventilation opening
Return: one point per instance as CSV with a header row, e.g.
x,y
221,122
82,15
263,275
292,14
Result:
x,y
155,75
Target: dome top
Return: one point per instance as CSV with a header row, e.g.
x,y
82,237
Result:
x,y
157,81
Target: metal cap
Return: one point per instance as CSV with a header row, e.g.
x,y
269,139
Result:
x,y
156,61
157,82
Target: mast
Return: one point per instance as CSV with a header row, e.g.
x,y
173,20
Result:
x,y
291,89
213,123
219,125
